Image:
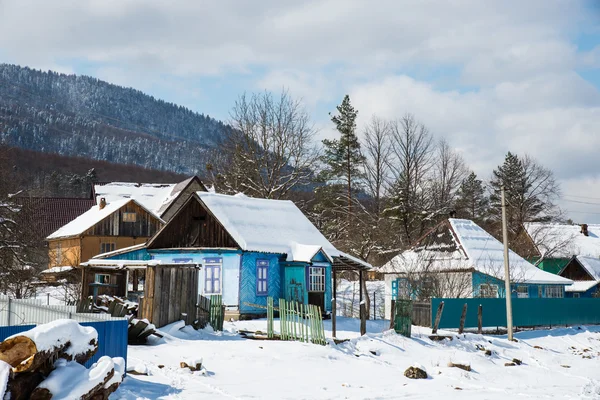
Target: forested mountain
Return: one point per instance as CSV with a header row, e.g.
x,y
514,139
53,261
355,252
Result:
x,y
87,117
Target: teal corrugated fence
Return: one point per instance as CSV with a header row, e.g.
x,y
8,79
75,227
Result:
x,y
526,312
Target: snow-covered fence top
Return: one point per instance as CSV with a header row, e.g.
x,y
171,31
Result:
x,y
35,312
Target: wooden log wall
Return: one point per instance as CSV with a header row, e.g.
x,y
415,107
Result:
x,y
145,224
169,292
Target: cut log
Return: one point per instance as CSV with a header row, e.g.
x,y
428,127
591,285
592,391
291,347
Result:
x,y
20,386
37,348
15,350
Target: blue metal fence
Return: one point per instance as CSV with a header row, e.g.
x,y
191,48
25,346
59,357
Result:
x,y
112,337
526,312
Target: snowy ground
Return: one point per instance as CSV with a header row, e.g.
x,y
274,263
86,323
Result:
x,y
369,367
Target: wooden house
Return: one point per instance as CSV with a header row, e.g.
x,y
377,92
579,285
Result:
x,y
554,245
105,227
585,274
163,199
246,250
457,258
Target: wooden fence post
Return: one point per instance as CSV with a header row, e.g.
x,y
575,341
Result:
x,y
393,314
363,319
463,316
480,319
438,317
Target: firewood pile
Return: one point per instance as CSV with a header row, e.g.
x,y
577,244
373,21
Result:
x,y
46,362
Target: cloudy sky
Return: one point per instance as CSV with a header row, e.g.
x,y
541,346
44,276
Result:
x,y
490,76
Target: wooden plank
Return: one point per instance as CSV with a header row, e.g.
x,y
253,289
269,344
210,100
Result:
x,y
463,316
480,319
438,317
158,282
173,296
164,296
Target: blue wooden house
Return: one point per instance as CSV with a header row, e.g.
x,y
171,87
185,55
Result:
x,y
459,259
246,250
585,274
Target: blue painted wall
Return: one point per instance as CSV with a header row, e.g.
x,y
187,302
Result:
x,y
141,254
248,282
590,293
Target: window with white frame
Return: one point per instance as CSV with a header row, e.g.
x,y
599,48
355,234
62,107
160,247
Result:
x,y
316,279
554,292
522,291
541,291
105,247
212,275
262,271
488,291
102,278
576,295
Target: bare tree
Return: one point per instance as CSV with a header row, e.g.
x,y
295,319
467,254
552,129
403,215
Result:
x,y
413,150
377,148
449,170
270,149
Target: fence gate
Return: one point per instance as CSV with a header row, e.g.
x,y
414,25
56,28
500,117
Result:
x,y
298,321
403,318
217,312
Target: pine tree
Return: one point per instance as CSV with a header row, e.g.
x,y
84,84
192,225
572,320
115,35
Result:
x,y
343,158
472,202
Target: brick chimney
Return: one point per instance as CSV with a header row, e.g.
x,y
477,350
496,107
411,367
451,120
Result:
x,y
102,203
584,229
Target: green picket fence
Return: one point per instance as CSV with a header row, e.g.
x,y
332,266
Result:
x,y
298,322
402,319
217,312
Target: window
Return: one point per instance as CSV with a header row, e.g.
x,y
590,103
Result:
x,y
106,247
488,291
541,292
316,279
58,254
576,295
522,292
262,271
212,275
103,279
554,292
129,217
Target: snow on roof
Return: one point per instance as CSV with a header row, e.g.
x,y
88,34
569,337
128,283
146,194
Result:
x,y
591,265
581,286
473,249
56,270
271,226
88,219
153,196
119,264
564,240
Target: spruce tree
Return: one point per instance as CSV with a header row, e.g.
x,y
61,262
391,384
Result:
x,y
342,157
472,202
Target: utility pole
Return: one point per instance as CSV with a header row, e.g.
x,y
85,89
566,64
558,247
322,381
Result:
x,y
509,325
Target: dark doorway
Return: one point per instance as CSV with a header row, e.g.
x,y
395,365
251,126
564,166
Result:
x,y
317,299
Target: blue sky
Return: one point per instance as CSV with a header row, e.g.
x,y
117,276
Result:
x,y
487,76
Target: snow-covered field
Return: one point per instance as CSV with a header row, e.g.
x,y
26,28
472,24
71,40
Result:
x,y
559,364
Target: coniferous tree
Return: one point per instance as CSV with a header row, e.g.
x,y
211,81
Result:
x,y
472,202
342,157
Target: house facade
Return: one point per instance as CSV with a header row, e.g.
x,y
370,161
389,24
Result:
x,y
246,250
457,258
554,245
585,274
104,227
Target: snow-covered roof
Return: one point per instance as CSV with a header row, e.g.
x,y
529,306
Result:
x,y
271,226
56,270
581,286
564,240
153,196
119,264
591,265
466,246
90,218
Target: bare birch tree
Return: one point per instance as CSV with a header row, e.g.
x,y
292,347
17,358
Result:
x,y
449,170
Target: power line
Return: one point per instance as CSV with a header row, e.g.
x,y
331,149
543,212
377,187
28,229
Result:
x,y
582,202
581,197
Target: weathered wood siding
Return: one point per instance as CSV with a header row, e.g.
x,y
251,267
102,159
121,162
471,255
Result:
x,y
575,271
193,226
91,245
145,224
185,194
64,252
169,292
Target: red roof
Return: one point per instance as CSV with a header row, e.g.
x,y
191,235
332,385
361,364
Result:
x,y
48,214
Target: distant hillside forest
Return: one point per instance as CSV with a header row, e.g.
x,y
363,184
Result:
x,y
53,175
87,117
